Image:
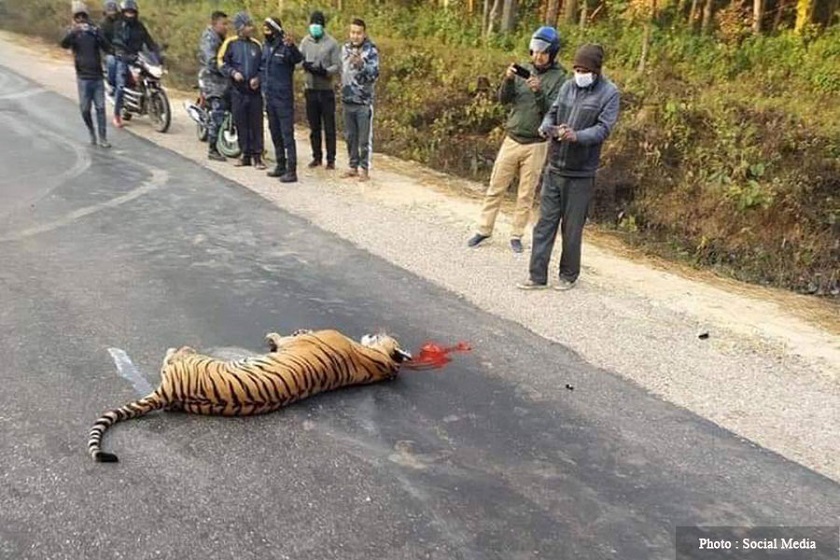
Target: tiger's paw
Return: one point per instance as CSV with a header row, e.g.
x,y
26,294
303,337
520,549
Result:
x,y
274,341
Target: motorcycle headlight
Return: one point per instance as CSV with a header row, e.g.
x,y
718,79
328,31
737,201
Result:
x,y
155,71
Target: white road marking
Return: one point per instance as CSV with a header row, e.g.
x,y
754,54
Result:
x,y
129,371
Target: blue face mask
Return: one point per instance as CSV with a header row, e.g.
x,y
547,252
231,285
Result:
x,y
316,30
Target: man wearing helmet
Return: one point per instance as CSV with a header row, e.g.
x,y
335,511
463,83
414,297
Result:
x,y
530,90
130,37
86,41
110,18
578,123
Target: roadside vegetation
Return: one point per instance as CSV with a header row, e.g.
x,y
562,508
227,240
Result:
x,y
727,152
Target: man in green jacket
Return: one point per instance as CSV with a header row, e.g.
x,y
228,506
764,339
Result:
x,y
530,90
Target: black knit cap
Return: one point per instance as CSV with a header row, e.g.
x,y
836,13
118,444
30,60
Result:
x,y
318,17
589,56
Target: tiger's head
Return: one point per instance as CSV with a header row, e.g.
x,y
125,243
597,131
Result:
x,y
388,345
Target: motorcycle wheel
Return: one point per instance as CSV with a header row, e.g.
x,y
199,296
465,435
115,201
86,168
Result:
x,y
126,116
201,132
159,111
228,142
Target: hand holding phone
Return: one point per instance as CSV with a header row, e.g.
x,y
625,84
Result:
x,y
521,71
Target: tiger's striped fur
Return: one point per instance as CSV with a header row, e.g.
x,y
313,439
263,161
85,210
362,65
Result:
x,y
296,367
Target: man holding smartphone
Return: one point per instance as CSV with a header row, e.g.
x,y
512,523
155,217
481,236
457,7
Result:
x,y
530,90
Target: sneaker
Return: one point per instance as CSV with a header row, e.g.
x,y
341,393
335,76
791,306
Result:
x,y
278,171
289,177
564,285
258,164
314,163
331,165
477,239
352,172
215,156
516,245
118,122
531,285
364,175
104,143
93,141
243,162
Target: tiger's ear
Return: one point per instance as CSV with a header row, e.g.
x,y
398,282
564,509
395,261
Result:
x,y
400,356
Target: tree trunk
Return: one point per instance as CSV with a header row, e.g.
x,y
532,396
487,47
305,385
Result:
x,y
694,14
780,12
491,19
804,14
508,16
552,12
583,13
708,12
485,16
571,11
758,15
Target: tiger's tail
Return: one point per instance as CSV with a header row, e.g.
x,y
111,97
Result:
x,y
141,407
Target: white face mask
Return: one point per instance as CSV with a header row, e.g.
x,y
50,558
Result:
x,y
584,79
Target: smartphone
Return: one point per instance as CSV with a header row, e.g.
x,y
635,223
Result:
x,y
521,71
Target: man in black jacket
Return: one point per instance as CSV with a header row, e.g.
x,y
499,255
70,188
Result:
x,y
86,41
111,15
130,37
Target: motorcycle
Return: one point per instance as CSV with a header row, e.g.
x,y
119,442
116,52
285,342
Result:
x,y
144,94
228,141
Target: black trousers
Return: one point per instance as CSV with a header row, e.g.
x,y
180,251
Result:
x,y
320,108
247,109
281,123
564,203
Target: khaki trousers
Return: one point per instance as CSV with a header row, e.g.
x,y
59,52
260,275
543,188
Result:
x,y
528,160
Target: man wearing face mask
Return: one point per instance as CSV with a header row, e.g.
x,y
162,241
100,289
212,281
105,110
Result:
x,y
578,123
279,57
322,62
530,91
130,37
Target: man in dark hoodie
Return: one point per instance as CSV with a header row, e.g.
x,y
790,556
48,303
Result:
x,y
130,37
279,57
110,17
86,41
529,91
322,63
240,59
578,123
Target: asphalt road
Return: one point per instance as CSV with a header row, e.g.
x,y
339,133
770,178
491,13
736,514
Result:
x,y
139,249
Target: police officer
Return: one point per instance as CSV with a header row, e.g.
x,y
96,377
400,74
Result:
x,y
240,58
280,55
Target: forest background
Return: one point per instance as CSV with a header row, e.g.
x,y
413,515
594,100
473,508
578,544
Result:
x,y
727,151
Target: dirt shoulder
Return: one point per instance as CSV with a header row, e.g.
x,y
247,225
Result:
x,y
769,370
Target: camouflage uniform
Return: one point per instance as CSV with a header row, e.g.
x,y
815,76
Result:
x,y
357,96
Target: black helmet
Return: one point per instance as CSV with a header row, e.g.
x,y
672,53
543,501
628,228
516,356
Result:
x,y
129,5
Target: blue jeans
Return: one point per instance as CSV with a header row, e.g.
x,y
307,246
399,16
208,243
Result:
x,y
111,67
92,92
121,76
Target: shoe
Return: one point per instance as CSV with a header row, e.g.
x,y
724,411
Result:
x,y
118,122
93,141
531,285
564,285
477,239
364,176
215,156
103,143
331,165
352,172
278,171
314,163
258,164
516,245
243,162
289,177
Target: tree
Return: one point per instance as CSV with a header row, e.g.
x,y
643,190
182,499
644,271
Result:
x,y
758,15
552,12
508,16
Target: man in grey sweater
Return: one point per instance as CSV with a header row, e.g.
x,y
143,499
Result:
x,y
321,62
